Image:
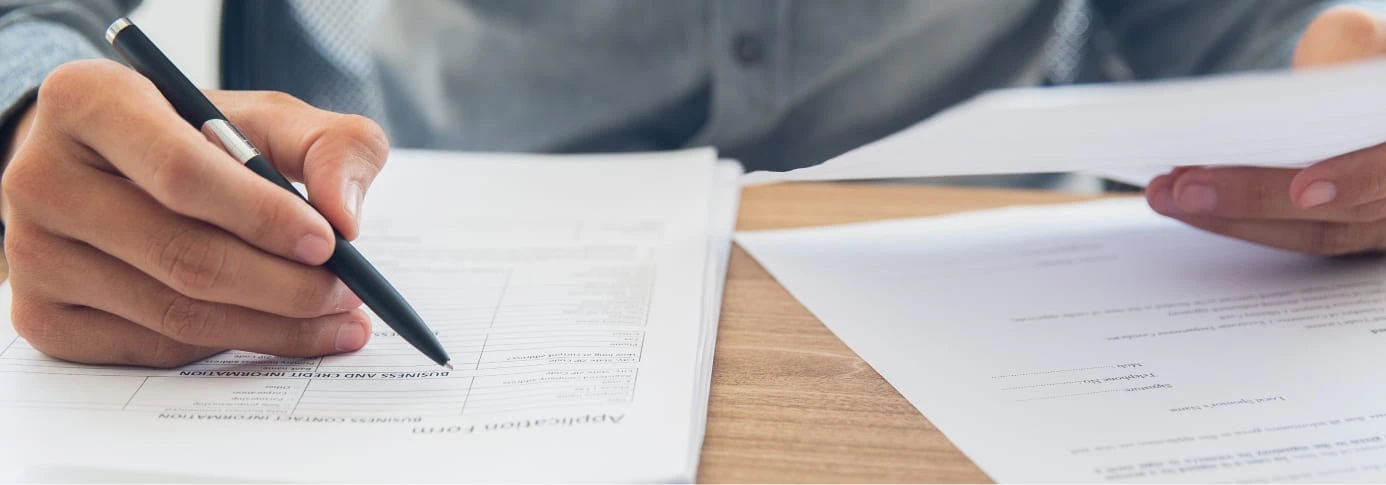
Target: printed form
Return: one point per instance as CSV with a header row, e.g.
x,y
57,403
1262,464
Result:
x,y
577,295
1100,342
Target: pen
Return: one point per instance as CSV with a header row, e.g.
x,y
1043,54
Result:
x,y
346,262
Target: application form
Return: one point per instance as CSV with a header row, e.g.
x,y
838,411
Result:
x,y
577,295
1100,342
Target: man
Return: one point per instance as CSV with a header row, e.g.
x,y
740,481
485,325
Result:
x,y
133,240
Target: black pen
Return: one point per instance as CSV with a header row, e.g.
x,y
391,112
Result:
x,y
346,262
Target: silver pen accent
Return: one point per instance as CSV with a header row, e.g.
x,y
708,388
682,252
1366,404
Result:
x,y
230,139
115,28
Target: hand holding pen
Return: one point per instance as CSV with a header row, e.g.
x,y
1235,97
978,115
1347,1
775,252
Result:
x,y
133,239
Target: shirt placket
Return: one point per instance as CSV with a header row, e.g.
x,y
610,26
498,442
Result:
x,y
748,51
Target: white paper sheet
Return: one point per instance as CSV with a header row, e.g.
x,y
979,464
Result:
x,y
1102,342
726,194
581,318
1278,118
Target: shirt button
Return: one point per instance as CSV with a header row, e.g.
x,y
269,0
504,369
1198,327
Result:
x,y
748,48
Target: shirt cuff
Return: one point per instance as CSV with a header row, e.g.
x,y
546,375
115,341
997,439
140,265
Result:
x,y
29,50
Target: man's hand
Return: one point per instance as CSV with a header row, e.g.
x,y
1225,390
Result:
x,y
1337,206
132,239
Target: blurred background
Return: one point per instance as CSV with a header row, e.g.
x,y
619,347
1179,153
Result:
x,y
186,30
189,33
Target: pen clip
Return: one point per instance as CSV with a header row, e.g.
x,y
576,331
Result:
x,y
230,139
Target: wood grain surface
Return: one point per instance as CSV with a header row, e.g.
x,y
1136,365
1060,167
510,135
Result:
x,y
790,402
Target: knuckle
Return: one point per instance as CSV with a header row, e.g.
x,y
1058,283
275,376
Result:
x,y
36,263
25,254
312,296
67,87
167,354
175,172
367,135
69,90
34,322
188,320
271,213
24,181
192,262
278,98
302,340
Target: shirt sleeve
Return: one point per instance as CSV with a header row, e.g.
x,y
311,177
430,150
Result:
x,y
38,36
1171,38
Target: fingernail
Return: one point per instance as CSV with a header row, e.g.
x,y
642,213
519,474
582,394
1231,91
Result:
x,y
312,249
1163,201
351,336
347,300
1198,198
1318,193
353,198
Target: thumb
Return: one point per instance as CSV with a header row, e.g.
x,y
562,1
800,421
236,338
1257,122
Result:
x,y
1341,34
335,155
340,160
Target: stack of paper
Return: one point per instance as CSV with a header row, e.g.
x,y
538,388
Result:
x,y
1103,342
578,297
1129,131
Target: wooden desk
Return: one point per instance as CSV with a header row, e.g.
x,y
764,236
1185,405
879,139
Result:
x,y
790,402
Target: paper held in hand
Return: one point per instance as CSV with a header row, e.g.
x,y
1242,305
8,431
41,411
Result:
x,y
1275,118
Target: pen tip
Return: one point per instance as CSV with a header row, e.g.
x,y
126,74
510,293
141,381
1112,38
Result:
x,y
448,364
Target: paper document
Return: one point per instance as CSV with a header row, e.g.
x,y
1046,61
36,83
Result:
x,y
578,297
1100,342
1274,118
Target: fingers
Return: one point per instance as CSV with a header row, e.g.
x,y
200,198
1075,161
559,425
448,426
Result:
x,y
1344,181
336,155
1261,193
89,336
1307,236
1269,193
71,332
189,256
133,239
83,276
1337,206
139,135
1348,188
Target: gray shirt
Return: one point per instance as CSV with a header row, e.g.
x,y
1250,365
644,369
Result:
x,y
778,84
